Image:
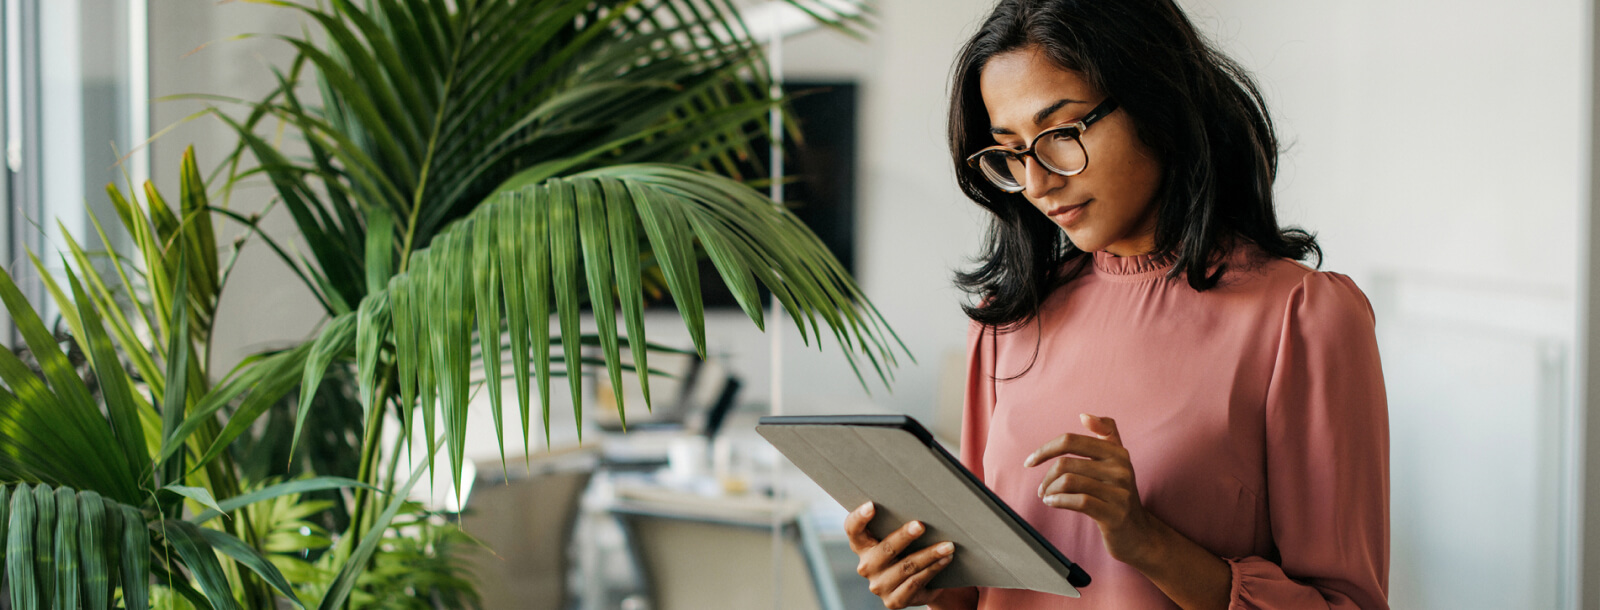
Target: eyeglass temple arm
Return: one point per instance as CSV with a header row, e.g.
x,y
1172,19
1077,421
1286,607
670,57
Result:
x,y
1099,112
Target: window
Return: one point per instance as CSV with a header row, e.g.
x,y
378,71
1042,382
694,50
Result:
x,y
75,95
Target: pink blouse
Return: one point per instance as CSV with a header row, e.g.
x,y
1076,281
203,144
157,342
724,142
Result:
x,y
1254,414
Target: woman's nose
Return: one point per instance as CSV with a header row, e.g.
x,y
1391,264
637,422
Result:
x,y
1038,181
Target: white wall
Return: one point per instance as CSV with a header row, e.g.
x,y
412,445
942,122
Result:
x,y
1437,147
192,50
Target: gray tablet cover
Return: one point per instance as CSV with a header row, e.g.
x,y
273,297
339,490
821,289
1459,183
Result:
x,y
893,461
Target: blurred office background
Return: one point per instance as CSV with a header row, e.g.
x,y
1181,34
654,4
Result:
x,y
1442,150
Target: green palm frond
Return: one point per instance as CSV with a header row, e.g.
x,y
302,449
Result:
x,y
75,527
573,240
426,109
70,549
55,433
88,469
66,548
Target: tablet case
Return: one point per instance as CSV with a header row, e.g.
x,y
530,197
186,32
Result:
x,y
894,462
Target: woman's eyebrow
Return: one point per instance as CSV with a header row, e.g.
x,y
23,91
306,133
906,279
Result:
x,y
1039,117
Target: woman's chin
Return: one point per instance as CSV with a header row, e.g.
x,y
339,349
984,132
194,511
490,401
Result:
x,y
1083,240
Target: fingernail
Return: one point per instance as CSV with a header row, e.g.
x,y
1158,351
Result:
x,y
1041,490
1052,499
946,548
1028,463
916,528
864,509
943,562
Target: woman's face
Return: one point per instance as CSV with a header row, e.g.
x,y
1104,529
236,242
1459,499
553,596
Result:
x,y
1110,206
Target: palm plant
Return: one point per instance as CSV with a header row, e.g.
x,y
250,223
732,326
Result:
x,y
476,167
480,167
97,481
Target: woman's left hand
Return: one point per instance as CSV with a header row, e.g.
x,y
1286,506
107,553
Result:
x,y
1093,476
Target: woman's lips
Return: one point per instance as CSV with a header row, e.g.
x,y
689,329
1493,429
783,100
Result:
x,y
1068,214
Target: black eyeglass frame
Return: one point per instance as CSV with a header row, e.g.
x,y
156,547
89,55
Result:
x,y
1077,127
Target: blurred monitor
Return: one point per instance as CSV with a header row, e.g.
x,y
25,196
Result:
x,y
683,390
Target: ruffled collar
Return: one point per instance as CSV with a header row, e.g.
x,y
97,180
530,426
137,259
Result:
x,y
1133,268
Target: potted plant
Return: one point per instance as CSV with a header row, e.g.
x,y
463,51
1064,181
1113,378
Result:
x,y
468,167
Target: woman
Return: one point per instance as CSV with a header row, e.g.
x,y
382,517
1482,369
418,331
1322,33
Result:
x,y
1154,382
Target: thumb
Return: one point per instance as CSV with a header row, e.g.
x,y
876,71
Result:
x,y
1103,427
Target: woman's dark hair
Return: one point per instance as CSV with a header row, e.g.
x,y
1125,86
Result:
x,y
1198,110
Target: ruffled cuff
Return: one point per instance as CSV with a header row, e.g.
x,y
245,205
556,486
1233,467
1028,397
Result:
x,y
1248,571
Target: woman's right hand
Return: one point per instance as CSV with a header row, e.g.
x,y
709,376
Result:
x,y
898,580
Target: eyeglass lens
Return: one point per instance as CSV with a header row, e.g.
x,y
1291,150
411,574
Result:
x,y
1060,152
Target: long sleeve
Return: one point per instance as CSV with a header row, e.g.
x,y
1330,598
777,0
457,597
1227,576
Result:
x,y
1327,459
979,401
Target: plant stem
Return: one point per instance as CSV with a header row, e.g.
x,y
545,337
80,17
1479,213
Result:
x,y
394,460
422,185
371,438
427,161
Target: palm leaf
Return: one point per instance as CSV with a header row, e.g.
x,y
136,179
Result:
x,y
44,535
428,107
622,221
198,494
564,259
198,554
121,402
513,270
20,542
5,522
135,555
252,559
537,272
266,380
175,400
63,411
55,433
267,493
61,546
66,549
372,324
594,238
337,338
95,552
64,561
486,281
587,234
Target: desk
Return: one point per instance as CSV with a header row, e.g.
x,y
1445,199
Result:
x,y
730,480
673,471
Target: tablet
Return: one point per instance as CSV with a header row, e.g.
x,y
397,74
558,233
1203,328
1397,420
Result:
x,y
894,462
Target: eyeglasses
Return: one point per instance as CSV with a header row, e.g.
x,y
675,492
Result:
x,y
1059,149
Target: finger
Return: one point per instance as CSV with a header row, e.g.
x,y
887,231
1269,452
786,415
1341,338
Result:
x,y
855,528
887,551
1110,471
1079,484
885,582
1104,427
913,591
1095,508
1075,444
